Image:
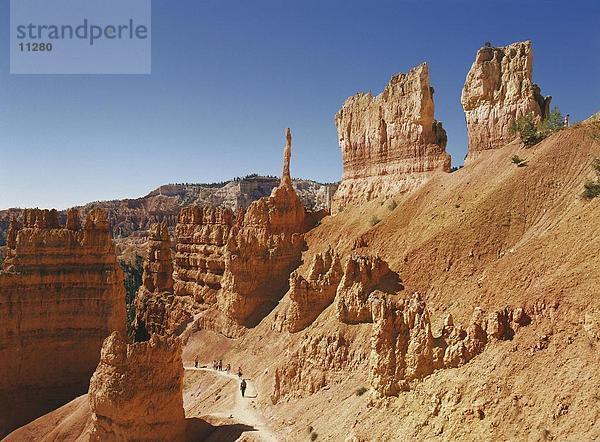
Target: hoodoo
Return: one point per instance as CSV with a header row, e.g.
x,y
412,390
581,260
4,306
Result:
x,y
230,268
263,252
157,309
61,294
498,90
390,143
136,391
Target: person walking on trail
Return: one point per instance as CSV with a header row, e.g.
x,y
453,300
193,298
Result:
x,y
228,368
243,387
196,362
240,372
566,121
220,364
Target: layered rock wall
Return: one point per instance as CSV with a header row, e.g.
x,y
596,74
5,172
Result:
x,y
61,294
390,143
136,392
202,235
231,268
499,89
158,310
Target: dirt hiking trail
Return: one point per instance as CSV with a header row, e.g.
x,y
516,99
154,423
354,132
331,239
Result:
x,y
241,411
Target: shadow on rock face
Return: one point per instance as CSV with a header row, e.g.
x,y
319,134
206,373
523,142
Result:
x,y
200,430
390,283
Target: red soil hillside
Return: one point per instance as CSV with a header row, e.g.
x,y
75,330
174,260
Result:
x,y
516,246
490,235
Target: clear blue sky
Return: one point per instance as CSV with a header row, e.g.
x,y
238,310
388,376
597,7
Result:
x,y
229,76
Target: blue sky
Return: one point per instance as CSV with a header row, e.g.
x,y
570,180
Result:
x,y
229,76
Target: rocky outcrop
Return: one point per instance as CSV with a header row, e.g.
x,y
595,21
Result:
x,y
310,296
403,347
263,251
136,392
158,267
202,235
230,268
390,143
362,276
158,310
498,90
61,294
402,344
308,369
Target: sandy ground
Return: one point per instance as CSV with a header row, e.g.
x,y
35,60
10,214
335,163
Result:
x,y
240,411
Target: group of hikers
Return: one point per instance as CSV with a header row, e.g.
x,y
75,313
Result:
x,y
218,366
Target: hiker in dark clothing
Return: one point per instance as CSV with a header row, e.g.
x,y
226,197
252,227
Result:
x,y
243,387
240,372
220,364
196,362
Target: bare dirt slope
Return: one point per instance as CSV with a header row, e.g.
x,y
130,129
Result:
x,y
70,422
489,235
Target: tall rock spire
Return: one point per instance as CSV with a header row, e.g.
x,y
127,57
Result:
x,y
498,90
391,142
286,179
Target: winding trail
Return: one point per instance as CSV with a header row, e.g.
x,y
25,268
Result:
x,y
241,410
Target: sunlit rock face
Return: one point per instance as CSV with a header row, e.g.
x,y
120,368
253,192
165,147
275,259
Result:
x,y
158,310
403,347
61,294
499,88
136,392
263,250
390,142
230,268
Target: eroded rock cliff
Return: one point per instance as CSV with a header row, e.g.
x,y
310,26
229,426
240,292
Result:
x,y
499,88
307,369
390,143
61,294
231,268
136,391
158,310
310,296
403,347
261,254
362,276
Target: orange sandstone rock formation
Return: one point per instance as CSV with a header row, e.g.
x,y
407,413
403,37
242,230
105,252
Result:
x,y
230,268
403,347
202,234
362,276
305,370
499,89
390,143
310,296
158,310
61,294
261,254
136,391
